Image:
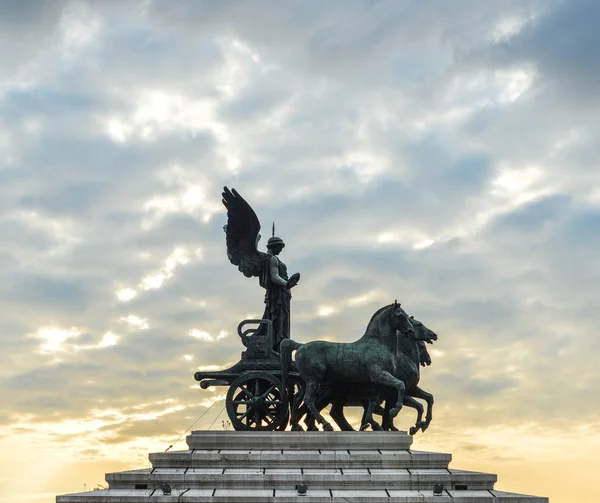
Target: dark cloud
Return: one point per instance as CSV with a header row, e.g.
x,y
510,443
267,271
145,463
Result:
x,y
561,45
28,14
48,292
533,217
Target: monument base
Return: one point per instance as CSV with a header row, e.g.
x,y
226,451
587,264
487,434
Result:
x,y
293,467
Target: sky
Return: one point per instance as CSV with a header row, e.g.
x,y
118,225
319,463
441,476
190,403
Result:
x,y
440,153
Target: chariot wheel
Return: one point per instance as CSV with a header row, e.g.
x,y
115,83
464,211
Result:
x,y
255,401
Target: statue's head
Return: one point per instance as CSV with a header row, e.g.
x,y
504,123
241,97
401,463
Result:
x,y
275,244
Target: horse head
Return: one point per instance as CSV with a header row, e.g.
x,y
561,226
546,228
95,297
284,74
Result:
x,y
400,320
422,333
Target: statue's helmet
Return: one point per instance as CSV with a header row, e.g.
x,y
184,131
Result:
x,y
274,242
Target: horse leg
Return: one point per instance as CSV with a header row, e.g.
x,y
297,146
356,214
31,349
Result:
x,y
309,419
310,399
380,376
428,397
337,413
322,399
367,419
296,409
411,402
303,413
311,423
388,422
384,411
381,411
364,421
373,402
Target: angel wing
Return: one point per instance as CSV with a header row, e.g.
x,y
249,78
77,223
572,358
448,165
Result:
x,y
242,235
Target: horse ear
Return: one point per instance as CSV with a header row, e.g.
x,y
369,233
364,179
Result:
x,y
396,303
411,317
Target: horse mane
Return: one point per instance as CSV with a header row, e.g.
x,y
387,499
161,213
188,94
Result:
x,y
377,313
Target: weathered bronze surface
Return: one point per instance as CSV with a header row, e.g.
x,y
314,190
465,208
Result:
x,y
269,391
243,235
371,359
408,361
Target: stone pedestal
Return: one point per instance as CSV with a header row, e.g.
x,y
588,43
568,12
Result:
x,y
299,467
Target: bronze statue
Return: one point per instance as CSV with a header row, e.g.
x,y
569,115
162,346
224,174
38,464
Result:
x,y
382,366
242,231
408,364
370,360
408,361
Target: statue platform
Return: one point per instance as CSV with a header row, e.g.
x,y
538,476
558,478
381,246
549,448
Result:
x,y
263,467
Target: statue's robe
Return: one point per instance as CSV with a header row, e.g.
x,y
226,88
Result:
x,y
277,303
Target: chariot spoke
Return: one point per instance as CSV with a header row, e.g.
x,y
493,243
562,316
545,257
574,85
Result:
x,y
248,393
245,414
271,388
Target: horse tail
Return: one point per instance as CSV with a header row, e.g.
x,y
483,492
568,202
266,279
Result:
x,y
285,354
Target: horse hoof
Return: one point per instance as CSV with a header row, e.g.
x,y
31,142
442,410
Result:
x,y
393,428
327,427
363,427
413,430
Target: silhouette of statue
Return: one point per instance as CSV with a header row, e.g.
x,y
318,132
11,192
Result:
x,y
242,237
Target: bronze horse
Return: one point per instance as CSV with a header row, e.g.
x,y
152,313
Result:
x,y
370,359
408,371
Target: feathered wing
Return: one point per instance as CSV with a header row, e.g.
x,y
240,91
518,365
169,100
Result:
x,y
242,231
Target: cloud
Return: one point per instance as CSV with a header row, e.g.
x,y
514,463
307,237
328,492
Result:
x,y
559,44
440,155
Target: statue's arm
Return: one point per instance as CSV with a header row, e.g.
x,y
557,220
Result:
x,y
274,272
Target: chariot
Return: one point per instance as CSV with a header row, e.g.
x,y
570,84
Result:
x,y
264,383
255,399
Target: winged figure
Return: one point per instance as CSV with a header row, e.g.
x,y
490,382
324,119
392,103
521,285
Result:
x,y
242,237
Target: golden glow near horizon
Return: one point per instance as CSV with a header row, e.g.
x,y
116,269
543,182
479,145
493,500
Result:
x,y
524,454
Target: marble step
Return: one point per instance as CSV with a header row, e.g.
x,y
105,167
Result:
x,y
286,478
303,440
185,495
267,467
283,458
